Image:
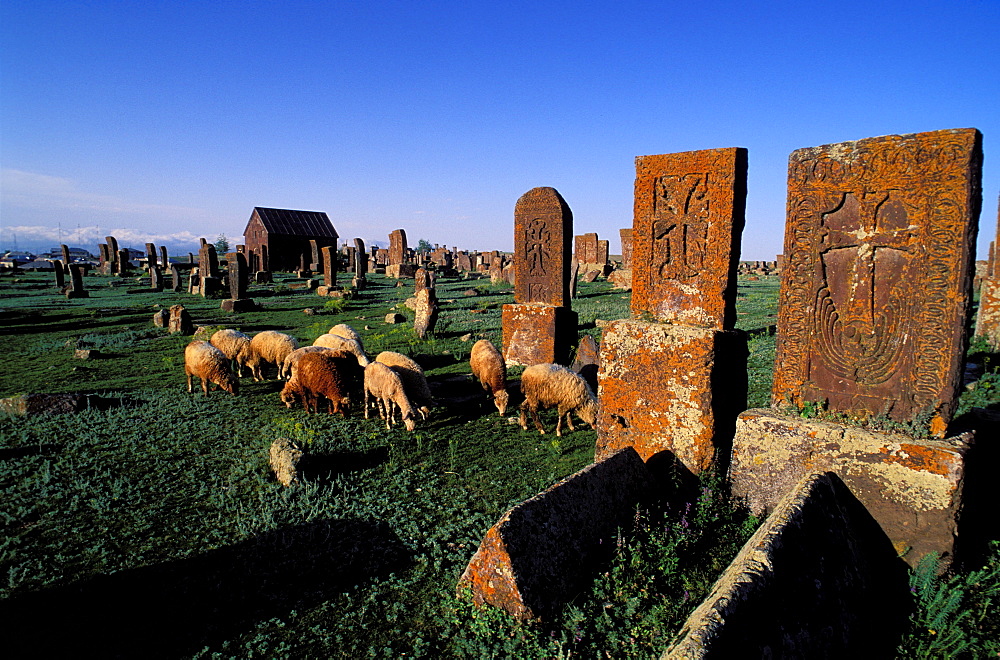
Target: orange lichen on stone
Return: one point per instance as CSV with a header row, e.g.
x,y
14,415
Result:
x,y
688,218
535,334
876,274
988,319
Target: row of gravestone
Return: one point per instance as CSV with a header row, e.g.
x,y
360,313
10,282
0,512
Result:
x,y
876,287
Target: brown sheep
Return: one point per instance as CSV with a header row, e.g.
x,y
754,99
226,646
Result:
x,y
234,345
326,374
547,385
209,364
414,380
291,363
384,385
270,346
491,370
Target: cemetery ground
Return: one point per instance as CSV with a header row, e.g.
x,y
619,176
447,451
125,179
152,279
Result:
x,y
150,523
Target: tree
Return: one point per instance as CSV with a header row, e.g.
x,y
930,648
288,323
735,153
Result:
x,y
221,244
423,245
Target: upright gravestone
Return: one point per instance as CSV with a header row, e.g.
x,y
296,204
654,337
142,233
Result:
x,y
103,258
239,280
156,279
208,270
164,262
150,256
426,312
875,292
60,273
122,265
673,378
114,267
316,265
329,259
988,317
66,260
360,260
585,248
397,265
421,281
76,289
175,276
540,326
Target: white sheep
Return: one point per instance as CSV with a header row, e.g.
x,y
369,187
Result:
x,y
339,343
291,363
491,370
270,346
384,385
209,364
347,332
234,345
547,385
414,380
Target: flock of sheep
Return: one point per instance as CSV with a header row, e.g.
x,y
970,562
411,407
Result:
x,y
336,368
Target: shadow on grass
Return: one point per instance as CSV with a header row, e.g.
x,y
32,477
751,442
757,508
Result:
x,y
178,607
323,467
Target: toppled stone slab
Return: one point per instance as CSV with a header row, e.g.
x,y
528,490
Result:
x,y
239,305
819,579
43,404
86,354
912,487
284,459
541,552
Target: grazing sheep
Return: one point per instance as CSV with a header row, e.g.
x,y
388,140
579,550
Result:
x,y
491,370
547,385
270,346
234,345
343,344
414,380
208,363
384,385
347,332
291,363
328,374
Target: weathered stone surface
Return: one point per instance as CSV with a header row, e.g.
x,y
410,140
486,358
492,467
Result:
x,y
151,255
621,279
587,361
876,280
43,404
86,354
284,459
543,229
533,334
180,321
426,312
328,255
156,279
400,270
626,239
988,317
240,305
161,318
421,280
590,276
76,289
239,275
397,248
393,317
585,248
818,580
911,487
687,224
544,550
670,388
59,270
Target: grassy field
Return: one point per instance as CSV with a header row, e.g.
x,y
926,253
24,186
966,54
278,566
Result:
x,y
151,525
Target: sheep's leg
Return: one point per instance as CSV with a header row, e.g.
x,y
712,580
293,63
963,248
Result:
x,y
534,416
522,418
190,388
569,420
204,385
366,403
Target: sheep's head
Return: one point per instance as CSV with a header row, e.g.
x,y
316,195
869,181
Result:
x,y
501,399
288,395
588,412
230,384
409,421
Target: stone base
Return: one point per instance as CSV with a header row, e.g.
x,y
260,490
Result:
x,y
912,487
544,550
400,270
330,292
239,305
988,317
819,579
536,334
670,388
263,277
210,286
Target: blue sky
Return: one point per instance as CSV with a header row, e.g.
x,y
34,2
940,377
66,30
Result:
x,y
166,121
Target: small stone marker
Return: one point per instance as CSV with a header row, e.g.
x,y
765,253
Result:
x,y
161,318
421,281
544,550
284,459
394,317
426,312
180,321
874,292
43,404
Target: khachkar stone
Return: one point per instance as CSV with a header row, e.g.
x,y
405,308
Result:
x,y
208,270
876,284
122,265
426,312
156,279
328,260
688,220
150,255
988,316
673,378
397,247
176,284
585,248
60,273
164,262
239,280
66,260
76,289
874,294
317,259
540,326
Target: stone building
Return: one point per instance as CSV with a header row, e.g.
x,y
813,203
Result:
x,y
286,234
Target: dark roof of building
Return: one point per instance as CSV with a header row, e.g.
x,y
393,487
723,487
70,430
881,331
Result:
x,y
287,222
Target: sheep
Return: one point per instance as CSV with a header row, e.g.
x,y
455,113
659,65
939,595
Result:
x,y
347,332
547,385
384,385
414,380
234,345
270,346
209,364
326,373
342,343
291,363
491,370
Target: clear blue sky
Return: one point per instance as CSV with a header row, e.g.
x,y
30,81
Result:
x,y
166,121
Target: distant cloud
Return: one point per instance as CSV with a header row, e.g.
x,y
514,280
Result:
x,y
87,237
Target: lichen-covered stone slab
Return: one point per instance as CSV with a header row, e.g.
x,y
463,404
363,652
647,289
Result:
x,y
397,247
988,317
912,487
817,580
543,232
686,229
544,550
534,334
669,388
876,281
